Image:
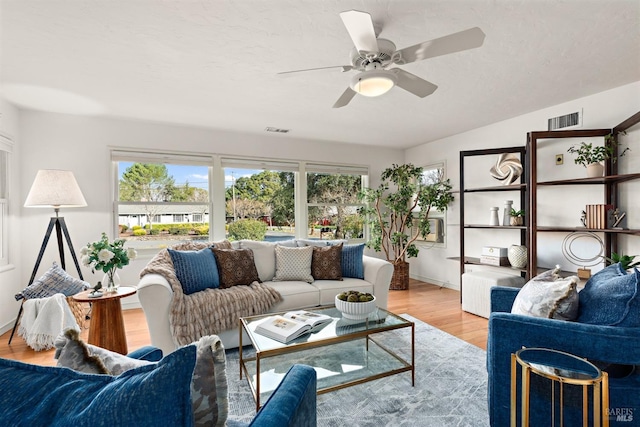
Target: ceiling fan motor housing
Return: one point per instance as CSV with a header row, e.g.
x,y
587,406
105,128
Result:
x,y
360,60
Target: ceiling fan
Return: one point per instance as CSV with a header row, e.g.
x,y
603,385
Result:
x,y
372,57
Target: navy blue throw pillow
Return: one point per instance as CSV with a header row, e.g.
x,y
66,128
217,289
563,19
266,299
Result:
x,y
352,265
196,270
611,297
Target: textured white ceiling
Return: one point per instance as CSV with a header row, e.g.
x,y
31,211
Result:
x,y
214,63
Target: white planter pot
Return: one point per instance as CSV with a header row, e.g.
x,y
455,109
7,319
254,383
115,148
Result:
x,y
595,170
517,256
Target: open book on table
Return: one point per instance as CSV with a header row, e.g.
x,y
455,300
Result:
x,y
292,324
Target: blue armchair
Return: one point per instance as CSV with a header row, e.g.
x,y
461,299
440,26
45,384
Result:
x,y
292,404
608,344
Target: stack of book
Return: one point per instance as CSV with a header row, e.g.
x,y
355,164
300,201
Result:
x,y
596,217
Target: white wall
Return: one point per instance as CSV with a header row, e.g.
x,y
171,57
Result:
x,y
560,206
81,144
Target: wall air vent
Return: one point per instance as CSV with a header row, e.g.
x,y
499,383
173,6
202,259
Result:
x,y
276,130
566,121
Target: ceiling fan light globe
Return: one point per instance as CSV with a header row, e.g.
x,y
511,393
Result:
x,y
373,83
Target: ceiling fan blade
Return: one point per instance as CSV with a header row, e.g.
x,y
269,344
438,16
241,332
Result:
x,y
467,39
414,84
344,68
360,28
345,98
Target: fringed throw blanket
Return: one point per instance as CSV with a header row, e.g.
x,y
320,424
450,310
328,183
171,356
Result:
x,y
44,319
212,310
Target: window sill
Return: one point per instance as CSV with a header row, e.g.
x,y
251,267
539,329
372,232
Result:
x,y
8,267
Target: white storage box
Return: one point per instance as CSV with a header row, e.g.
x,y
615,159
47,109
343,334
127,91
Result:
x,y
476,289
494,251
494,260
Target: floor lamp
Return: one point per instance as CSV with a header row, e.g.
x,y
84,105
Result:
x,y
54,189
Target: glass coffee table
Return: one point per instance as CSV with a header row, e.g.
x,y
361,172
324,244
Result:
x,y
343,353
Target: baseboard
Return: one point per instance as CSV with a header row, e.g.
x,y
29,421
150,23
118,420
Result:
x,y
131,305
7,326
436,282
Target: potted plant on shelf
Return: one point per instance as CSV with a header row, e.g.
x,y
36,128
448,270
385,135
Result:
x,y
592,157
517,217
626,261
398,213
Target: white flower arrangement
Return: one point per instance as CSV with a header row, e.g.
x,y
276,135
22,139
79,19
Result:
x,y
106,256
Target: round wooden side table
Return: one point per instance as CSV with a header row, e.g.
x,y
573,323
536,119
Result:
x,y
106,329
561,368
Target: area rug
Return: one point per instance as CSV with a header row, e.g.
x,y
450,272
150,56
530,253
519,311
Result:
x,y
450,388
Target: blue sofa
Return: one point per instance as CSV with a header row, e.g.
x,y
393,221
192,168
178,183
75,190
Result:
x,y
150,395
607,344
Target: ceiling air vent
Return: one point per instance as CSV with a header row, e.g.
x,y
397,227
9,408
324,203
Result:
x,y
276,130
566,121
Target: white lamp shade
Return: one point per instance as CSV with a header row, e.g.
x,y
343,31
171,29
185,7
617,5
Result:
x,y
55,188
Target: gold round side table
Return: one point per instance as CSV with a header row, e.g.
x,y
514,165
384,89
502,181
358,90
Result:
x,y
561,368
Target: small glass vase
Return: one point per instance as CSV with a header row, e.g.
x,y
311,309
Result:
x,y
109,285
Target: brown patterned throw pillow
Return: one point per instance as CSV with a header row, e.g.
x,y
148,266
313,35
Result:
x,y
326,263
236,267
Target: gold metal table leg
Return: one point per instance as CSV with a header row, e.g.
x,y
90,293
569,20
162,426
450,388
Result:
x,y
514,376
525,396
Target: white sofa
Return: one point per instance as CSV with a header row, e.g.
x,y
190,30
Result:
x,y
155,293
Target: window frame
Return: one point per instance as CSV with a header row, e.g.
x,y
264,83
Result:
x,y
432,239
319,168
157,157
6,150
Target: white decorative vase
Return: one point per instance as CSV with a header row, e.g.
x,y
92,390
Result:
x,y
111,286
493,218
517,255
595,170
506,216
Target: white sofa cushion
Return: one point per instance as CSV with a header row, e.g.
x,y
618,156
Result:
x,y
295,294
264,255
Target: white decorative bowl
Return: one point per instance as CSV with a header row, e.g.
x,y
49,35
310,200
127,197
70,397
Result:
x,y
356,310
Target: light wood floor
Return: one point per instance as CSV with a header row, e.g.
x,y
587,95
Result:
x,y
439,307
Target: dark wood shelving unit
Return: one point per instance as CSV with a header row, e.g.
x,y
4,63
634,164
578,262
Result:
x,y
513,187
593,181
502,227
609,182
593,230
521,187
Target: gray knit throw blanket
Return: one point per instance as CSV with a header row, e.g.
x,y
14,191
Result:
x,y
212,310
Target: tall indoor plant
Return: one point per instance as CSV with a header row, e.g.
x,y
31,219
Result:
x,y
398,213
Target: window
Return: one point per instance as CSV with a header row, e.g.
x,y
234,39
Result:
x,y
157,193
6,146
332,202
162,199
260,190
432,174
